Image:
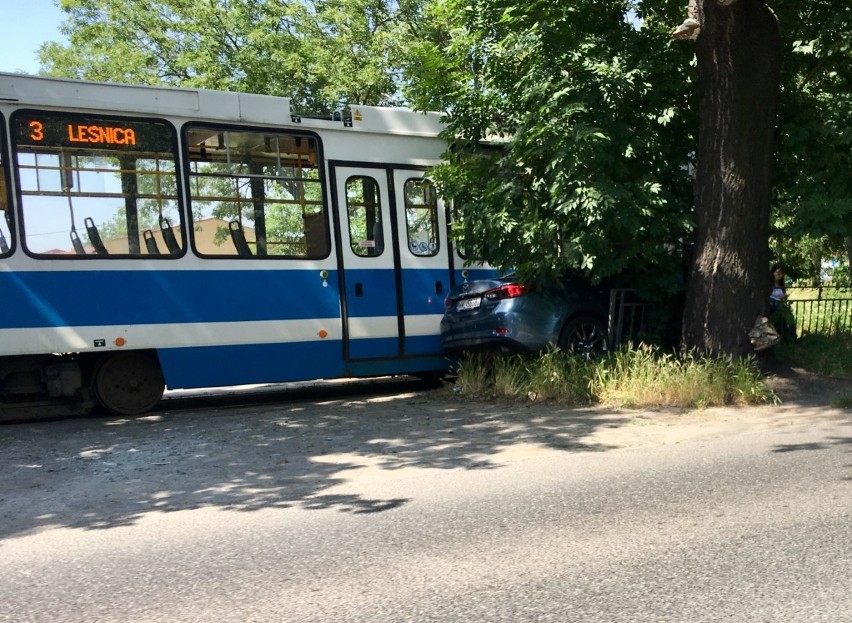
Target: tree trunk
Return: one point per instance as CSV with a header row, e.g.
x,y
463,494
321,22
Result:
x,y
739,61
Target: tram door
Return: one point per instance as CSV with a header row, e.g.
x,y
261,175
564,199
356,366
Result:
x,y
395,262
372,323
424,260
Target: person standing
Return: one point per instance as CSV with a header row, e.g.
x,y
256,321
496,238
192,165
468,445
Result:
x,y
778,293
780,314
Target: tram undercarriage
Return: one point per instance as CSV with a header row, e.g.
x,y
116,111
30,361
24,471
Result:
x,y
125,383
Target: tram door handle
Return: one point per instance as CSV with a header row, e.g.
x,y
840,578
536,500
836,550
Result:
x,y
359,289
439,287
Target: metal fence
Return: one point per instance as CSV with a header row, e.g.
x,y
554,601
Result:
x,y
825,309
626,317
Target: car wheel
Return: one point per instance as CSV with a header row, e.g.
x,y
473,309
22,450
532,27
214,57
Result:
x,y
585,336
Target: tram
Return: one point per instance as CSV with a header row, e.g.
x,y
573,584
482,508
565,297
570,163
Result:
x,y
162,237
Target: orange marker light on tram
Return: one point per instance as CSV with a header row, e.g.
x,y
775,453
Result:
x,y
322,333
120,341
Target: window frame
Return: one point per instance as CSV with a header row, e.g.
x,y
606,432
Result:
x,y
92,117
434,219
5,164
378,209
321,180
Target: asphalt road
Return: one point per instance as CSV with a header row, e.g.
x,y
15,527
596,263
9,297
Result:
x,y
416,507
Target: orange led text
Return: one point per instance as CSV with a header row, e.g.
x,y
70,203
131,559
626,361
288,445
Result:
x,y
101,134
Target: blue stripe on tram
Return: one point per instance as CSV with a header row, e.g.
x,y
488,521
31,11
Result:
x,y
84,298
93,298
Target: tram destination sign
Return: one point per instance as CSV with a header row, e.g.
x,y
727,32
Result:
x,y
52,130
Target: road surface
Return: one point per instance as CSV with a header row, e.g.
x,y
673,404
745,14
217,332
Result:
x,y
392,507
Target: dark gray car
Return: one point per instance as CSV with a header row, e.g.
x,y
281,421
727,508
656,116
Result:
x,y
503,314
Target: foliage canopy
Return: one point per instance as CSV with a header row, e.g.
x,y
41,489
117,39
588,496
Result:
x,y
321,53
591,125
586,109
813,203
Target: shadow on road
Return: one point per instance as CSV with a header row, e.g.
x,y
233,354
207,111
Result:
x,y
832,441
106,472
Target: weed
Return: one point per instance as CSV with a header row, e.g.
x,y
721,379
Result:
x,y
637,377
560,377
475,376
828,355
645,377
844,401
510,376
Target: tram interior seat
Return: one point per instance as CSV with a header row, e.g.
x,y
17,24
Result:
x,y
169,236
150,242
378,238
239,238
95,237
4,246
315,241
77,243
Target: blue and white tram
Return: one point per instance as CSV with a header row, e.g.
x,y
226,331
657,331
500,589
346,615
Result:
x,y
155,237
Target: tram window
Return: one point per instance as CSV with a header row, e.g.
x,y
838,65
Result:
x,y
363,207
459,230
97,186
256,194
421,217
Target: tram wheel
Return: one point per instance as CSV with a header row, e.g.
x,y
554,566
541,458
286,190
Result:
x,y
128,383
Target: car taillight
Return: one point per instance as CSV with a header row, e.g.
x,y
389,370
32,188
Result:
x,y
509,291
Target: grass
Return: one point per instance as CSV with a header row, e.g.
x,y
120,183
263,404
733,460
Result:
x,y
551,377
640,377
843,401
644,377
826,355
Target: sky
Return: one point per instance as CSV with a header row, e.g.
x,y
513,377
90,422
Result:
x,y
24,26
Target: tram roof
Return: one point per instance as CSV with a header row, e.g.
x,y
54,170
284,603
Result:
x,y
200,104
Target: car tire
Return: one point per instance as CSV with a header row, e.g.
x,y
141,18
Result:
x,y
584,336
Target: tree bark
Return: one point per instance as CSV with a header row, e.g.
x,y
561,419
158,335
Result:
x,y
739,62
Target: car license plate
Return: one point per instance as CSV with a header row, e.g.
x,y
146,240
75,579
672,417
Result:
x,y
469,304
